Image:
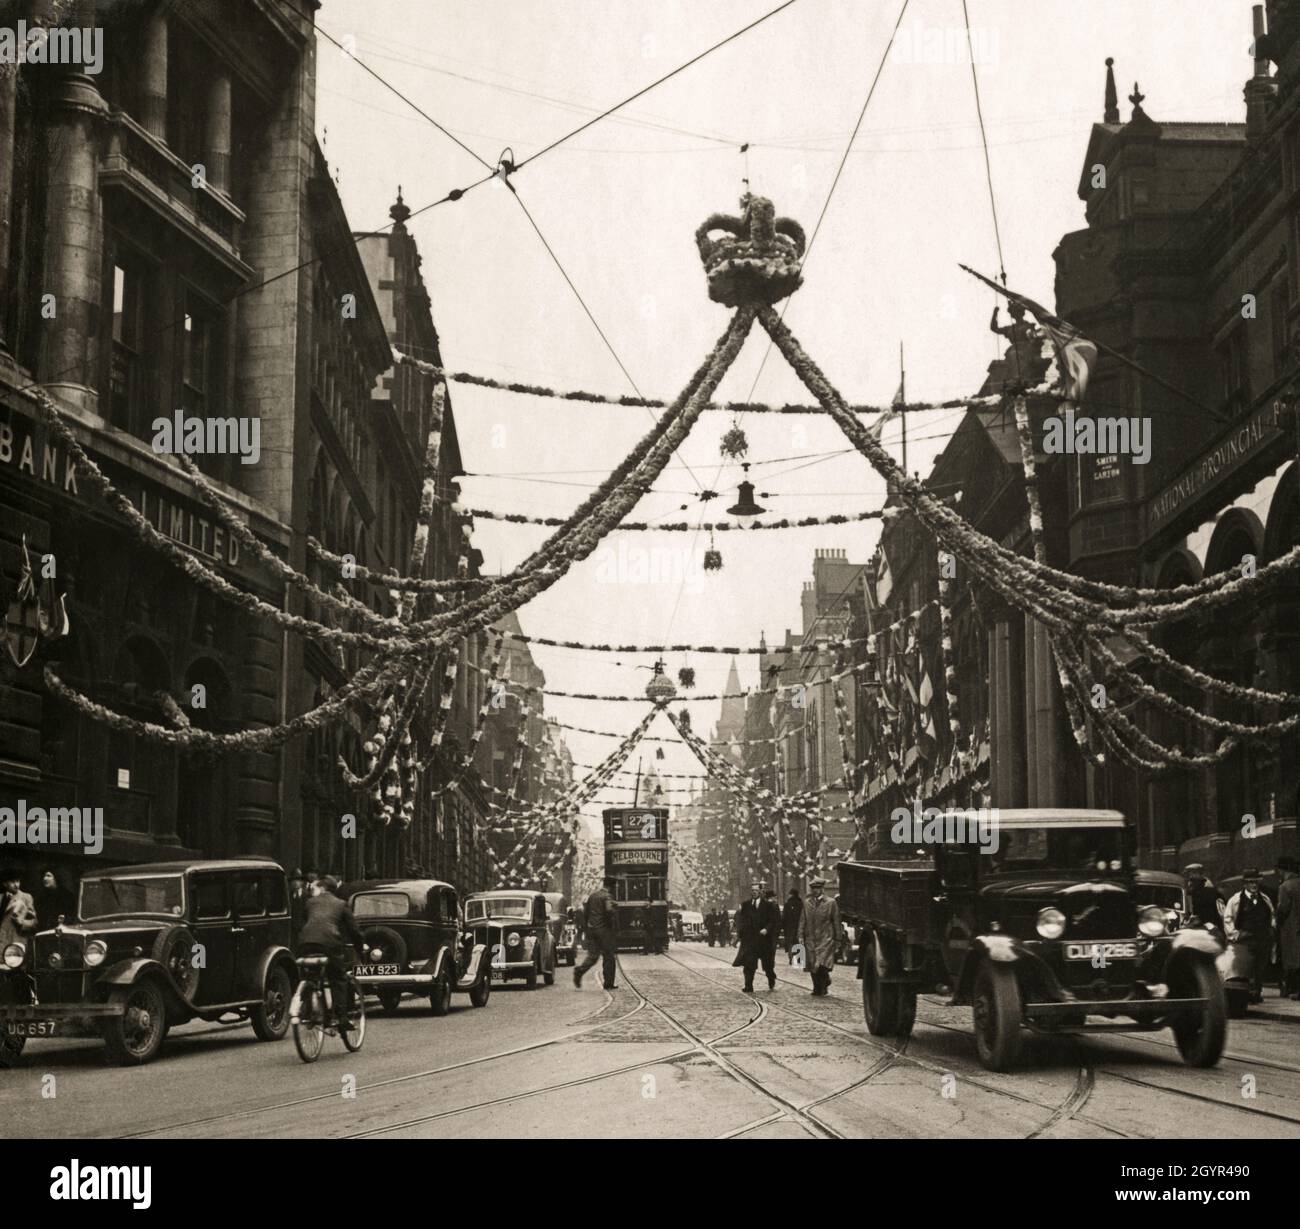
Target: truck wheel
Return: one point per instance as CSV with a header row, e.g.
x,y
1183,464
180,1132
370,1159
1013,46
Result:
x,y
1200,1035
996,1005
879,1001
1238,1001
906,1011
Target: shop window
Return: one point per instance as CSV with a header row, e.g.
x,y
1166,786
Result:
x,y
1279,309
1234,366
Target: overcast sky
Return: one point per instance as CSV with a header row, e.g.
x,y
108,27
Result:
x,y
620,202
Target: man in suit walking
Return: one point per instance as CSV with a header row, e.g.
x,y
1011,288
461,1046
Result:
x,y
758,922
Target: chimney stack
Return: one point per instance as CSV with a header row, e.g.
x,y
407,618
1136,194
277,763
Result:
x,y
1261,89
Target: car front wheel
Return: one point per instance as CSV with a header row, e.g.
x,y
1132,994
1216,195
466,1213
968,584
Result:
x,y
271,1016
1201,1034
478,997
530,978
137,1034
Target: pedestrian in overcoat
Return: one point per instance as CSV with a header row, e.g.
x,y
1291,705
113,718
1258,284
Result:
x,y
1288,923
758,921
819,932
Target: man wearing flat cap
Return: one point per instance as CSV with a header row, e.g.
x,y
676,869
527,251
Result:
x,y
1248,920
819,933
758,922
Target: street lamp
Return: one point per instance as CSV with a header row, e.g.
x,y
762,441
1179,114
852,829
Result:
x,y
745,508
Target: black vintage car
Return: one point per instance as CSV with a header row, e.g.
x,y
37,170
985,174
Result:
x,y
1040,926
153,946
512,923
415,941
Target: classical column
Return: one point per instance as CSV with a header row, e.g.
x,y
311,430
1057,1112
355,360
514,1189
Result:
x,y
1045,766
217,145
1008,751
8,107
73,235
153,76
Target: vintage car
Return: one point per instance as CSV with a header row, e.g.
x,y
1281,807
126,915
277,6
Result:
x,y
512,924
1039,928
563,928
415,941
692,926
153,946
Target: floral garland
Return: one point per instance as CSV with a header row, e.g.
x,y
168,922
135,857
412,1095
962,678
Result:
x,y
805,522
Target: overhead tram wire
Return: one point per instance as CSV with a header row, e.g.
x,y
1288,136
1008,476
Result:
x,y
984,141
839,170
546,149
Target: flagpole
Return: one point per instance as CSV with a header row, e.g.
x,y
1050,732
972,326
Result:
x,y
902,397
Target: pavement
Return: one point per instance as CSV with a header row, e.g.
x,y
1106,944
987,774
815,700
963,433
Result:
x,y
1276,1007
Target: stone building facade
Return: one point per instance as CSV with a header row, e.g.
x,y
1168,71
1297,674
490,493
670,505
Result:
x,y
172,240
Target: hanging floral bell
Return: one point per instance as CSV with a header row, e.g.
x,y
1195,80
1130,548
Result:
x,y
712,557
734,443
686,676
659,753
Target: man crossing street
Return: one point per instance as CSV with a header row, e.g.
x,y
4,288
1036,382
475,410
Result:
x,y
602,936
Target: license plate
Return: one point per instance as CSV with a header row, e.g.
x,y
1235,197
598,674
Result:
x,y
31,1028
1106,951
377,970
498,974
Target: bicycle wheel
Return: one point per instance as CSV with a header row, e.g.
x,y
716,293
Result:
x,y
308,1014
356,1033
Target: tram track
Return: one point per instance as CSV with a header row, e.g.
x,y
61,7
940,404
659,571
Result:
x,y
698,1044
393,1081
1074,1102
1092,1066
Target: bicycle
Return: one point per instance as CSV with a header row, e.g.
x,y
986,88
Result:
x,y
312,1011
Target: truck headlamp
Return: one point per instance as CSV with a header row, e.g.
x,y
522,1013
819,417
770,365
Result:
x,y
512,939
95,952
14,953
1051,923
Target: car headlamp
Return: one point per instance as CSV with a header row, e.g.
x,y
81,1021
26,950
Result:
x,y
512,939
1051,923
14,953
1151,921
376,953
95,952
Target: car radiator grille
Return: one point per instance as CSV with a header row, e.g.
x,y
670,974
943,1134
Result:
x,y
1108,915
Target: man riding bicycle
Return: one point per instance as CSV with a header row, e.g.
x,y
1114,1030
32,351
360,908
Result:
x,y
329,929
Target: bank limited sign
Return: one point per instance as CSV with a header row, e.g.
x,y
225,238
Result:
x,y
25,453
1219,462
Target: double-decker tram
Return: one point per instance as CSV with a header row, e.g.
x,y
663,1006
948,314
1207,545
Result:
x,y
636,859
